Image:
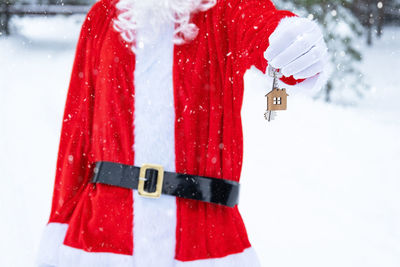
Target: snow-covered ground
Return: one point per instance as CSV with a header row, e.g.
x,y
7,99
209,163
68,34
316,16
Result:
x,y
320,185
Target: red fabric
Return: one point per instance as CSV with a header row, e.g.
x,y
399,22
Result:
x,y
291,80
208,79
98,125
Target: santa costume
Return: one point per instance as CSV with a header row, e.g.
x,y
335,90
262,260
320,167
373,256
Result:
x,y
161,82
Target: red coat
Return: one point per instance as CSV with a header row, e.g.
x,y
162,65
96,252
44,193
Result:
x,y
98,126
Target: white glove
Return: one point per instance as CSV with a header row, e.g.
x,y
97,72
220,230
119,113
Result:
x,y
297,48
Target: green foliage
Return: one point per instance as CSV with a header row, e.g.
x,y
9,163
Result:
x,y
342,33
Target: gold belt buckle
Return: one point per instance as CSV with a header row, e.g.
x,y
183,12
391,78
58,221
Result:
x,y
142,179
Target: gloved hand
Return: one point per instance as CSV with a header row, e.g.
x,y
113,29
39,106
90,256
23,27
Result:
x,y
297,48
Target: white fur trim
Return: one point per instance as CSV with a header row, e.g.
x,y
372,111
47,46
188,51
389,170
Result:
x,y
50,244
154,115
154,231
72,257
154,220
247,258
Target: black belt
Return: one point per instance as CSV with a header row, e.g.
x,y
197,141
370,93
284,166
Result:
x,y
151,180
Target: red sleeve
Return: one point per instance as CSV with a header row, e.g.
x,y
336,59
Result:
x,y
73,166
250,23
291,80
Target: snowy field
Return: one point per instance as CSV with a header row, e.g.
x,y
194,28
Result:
x,y
329,192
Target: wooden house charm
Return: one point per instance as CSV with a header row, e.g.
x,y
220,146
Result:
x,y
277,99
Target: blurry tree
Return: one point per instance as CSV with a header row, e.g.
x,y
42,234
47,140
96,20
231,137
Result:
x,y
342,32
5,16
54,2
377,13
9,8
67,2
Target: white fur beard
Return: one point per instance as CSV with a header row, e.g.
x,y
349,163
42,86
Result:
x,y
152,14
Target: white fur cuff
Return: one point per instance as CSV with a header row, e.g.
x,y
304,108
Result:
x,y
247,258
72,257
50,244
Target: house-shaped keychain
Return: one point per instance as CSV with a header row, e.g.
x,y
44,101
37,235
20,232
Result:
x,y
276,98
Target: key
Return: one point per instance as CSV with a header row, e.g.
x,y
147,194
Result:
x,y
270,115
276,98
